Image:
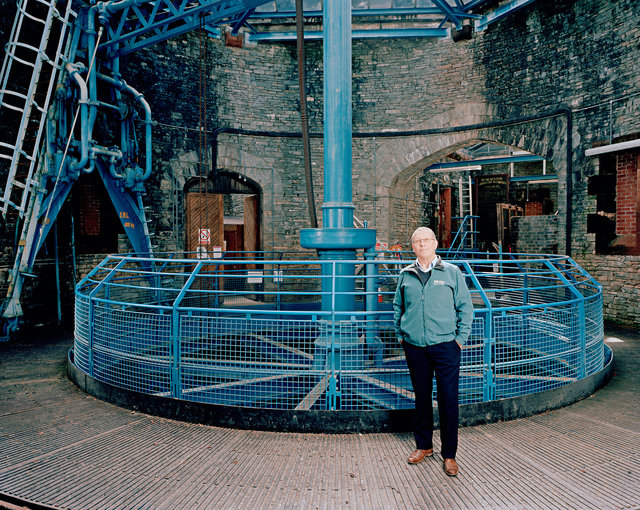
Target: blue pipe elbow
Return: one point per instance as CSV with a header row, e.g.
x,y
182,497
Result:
x,y
84,129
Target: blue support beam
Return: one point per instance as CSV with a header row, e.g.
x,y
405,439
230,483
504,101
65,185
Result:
x,y
452,14
400,33
356,13
337,240
500,13
134,24
485,161
37,225
128,204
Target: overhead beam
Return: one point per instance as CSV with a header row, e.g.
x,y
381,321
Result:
x,y
136,25
486,161
454,16
355,34
500,13
407,11
614,147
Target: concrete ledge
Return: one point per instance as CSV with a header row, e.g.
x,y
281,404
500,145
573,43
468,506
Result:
x,y
336,421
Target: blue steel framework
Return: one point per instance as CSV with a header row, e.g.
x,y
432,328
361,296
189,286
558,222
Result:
x,y
98,35
262,336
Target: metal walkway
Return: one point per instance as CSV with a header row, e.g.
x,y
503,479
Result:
x,y
60,448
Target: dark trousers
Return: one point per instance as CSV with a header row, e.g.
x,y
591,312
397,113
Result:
x,y
443,360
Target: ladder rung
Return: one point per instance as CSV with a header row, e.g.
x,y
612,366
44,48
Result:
x,y
22,61
18,184
14,108
32,17
13,148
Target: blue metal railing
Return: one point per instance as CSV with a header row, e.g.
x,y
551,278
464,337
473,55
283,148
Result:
x,y
465,239
253,332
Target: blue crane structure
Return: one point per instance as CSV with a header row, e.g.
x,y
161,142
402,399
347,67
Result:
x,y
52,115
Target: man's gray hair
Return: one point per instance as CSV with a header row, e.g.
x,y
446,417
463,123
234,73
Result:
x,y
426,230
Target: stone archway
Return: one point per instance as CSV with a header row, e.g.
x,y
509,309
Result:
x,y
400,160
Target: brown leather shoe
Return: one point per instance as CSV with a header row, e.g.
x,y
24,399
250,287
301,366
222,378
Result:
x,y
418,456
451,467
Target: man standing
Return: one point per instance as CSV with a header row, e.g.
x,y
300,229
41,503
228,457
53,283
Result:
x,y
432,314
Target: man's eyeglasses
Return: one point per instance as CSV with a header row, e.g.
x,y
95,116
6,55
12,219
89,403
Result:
x,y
424,241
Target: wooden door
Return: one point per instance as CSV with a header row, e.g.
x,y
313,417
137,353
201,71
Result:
x,y
505,213
251,226
204,224
444,218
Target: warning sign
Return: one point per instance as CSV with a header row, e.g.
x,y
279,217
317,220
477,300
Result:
x,y
205,236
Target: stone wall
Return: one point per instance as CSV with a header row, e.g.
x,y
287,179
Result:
x,y
577,59
619,276
535,234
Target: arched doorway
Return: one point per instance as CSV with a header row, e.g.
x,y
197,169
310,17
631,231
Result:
x,y
223,214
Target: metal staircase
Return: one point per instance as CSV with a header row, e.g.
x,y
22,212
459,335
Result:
x,y
27,80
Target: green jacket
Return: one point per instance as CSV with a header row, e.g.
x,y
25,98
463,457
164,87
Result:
x,y
439,311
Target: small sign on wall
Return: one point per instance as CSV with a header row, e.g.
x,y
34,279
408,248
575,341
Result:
x,y
205,236
254,276
201,252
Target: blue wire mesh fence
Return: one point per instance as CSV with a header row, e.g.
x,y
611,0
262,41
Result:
x,y
318,335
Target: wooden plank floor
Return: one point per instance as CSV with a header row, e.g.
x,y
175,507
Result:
x,y
60,448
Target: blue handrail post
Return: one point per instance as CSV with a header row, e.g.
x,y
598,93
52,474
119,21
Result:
x,y
489,341
582,365
333,360
102,283
579,299
489,344
90,336
372,337
278,277
176,356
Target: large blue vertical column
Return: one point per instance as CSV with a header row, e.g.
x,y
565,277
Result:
x,y
337,240
337,210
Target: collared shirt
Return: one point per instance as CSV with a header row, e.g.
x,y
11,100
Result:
x,y
423,273
429,267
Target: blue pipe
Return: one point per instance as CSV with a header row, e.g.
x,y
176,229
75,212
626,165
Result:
x,y
122,85
113,7
388,33
76,166
337,240
92,48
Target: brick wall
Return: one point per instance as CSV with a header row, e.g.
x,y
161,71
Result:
x,y
535,234
626,197
532,208
89,209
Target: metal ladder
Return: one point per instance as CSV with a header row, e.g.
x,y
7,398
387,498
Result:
x,y
23,109
465,238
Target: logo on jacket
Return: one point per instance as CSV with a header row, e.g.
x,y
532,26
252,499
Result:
x,y
438,282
